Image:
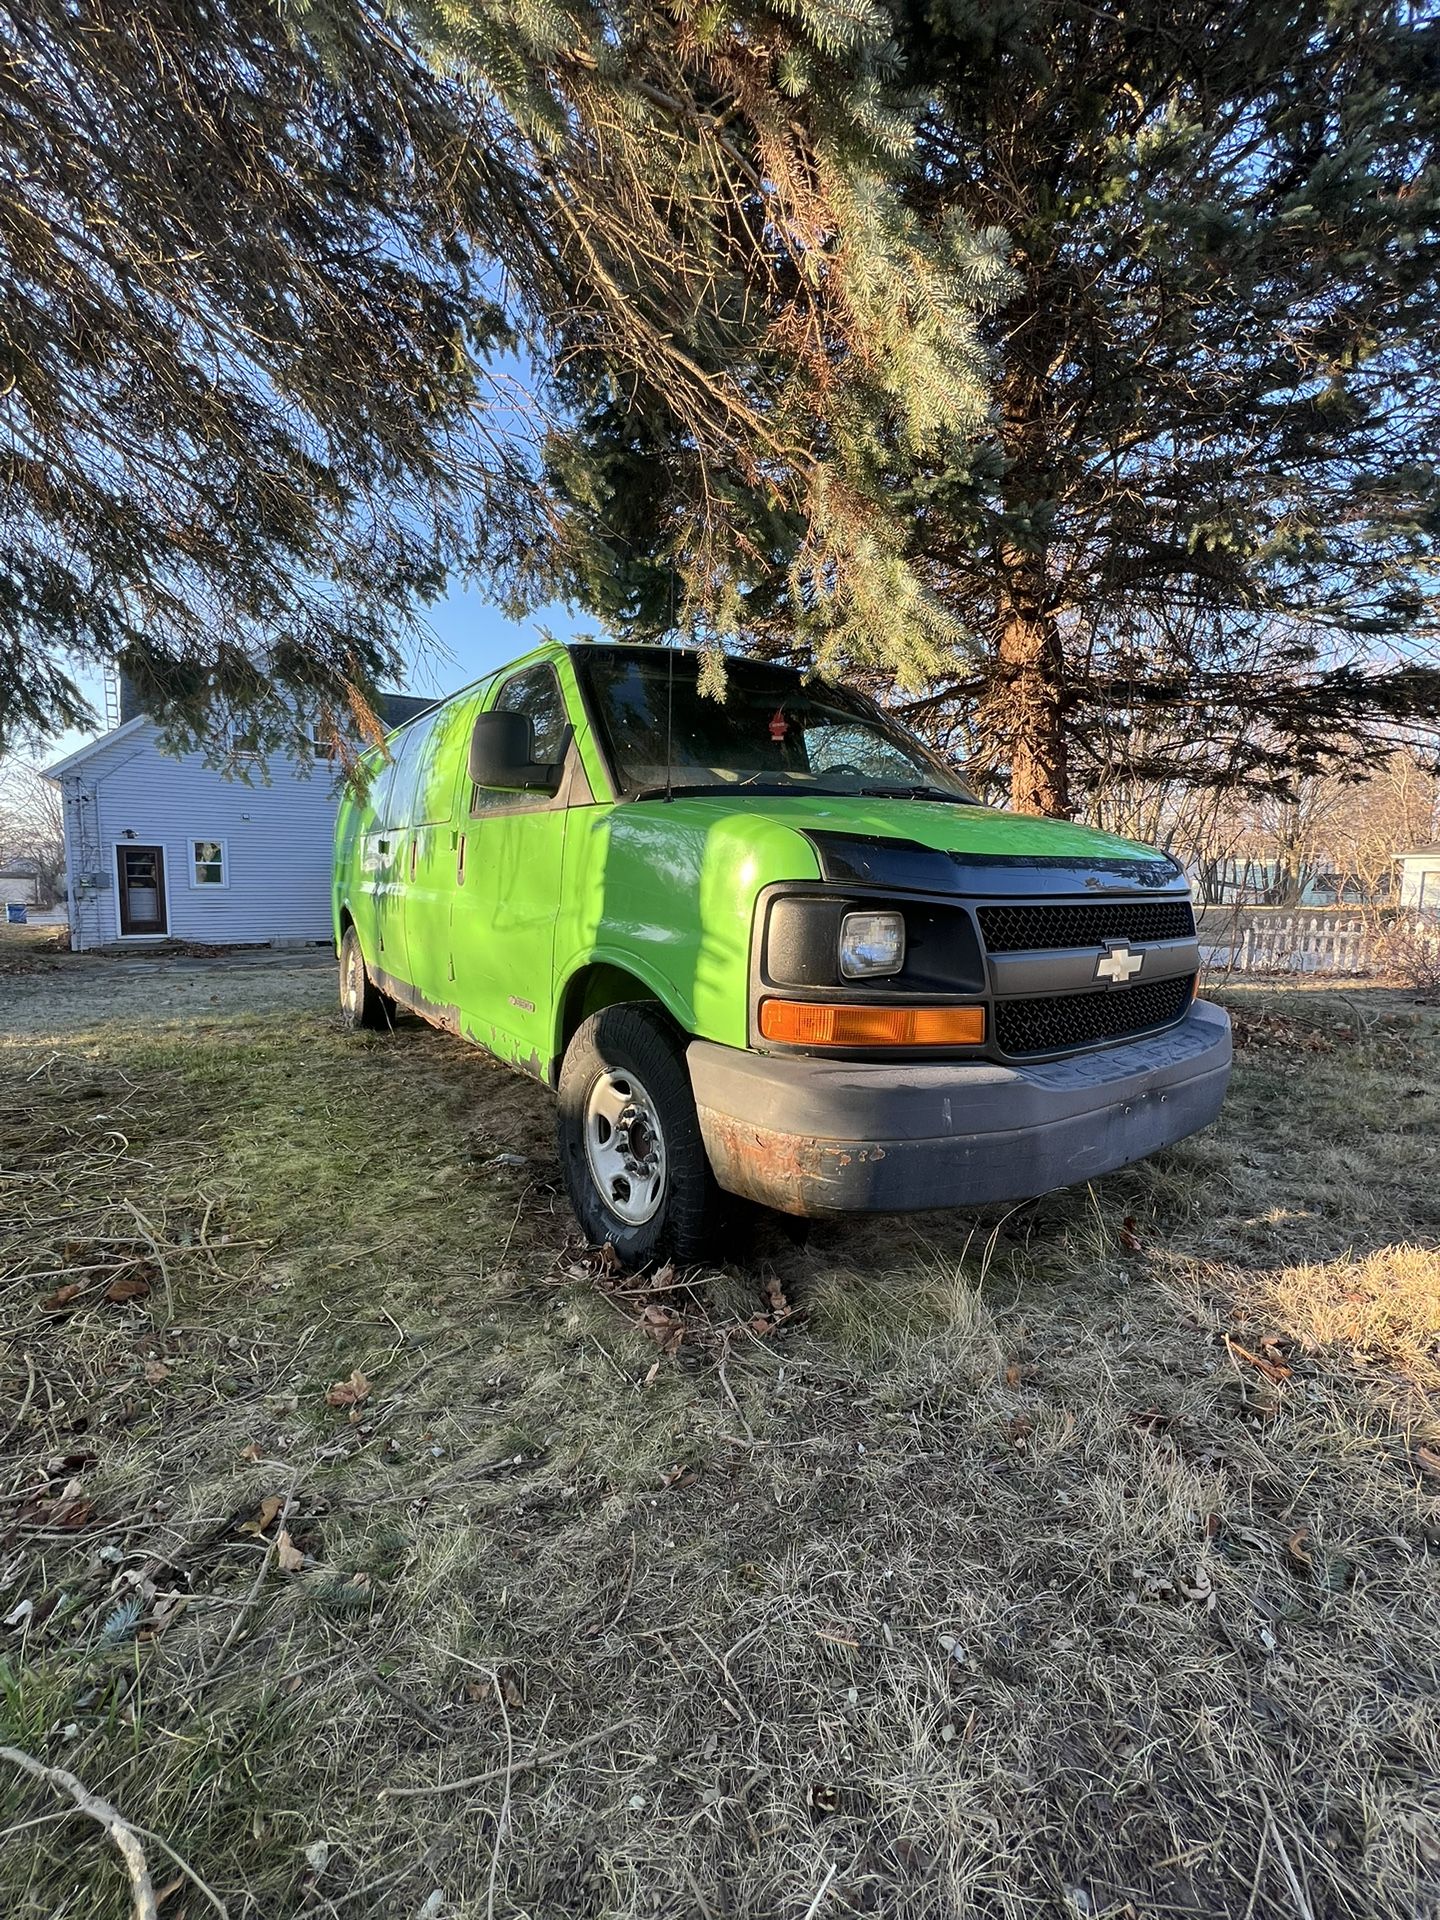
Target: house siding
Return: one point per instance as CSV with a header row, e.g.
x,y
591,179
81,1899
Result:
x,y
1420,880
278,836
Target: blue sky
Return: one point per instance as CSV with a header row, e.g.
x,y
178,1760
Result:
x,y
471,636
468,636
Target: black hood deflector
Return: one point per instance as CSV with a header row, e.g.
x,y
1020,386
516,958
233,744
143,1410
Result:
x,y
853,859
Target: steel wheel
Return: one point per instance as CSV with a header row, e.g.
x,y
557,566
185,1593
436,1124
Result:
x,y
625,1147
361,1002
625,1097
352,989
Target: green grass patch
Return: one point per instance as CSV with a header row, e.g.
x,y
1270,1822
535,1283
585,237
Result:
x,y
1076,1559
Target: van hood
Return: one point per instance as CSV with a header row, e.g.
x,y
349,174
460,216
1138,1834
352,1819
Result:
x,y
939,847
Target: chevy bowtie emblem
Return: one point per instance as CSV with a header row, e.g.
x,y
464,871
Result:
x,y
1117,964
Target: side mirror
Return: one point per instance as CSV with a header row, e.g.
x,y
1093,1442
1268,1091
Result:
x,y
502,754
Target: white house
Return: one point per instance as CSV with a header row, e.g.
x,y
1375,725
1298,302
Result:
x,y
162,846
1420,877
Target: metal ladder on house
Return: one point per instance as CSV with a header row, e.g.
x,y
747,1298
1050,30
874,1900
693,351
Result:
x,y
86,854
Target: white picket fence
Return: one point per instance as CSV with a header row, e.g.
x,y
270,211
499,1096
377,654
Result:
x,y
1296,943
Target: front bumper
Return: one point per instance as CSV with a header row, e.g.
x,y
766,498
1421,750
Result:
x,y
815,1136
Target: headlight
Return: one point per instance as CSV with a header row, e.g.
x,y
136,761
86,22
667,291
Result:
x,y
870,944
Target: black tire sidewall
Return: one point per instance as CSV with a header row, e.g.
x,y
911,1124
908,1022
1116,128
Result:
x,y
639,1039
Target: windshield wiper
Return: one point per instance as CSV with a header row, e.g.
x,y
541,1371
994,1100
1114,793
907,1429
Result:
x,y
917,793
734,789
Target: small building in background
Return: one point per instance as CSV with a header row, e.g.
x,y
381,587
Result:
x,y
165,846
20,885
1419,871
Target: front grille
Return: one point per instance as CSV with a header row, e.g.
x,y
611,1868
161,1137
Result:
x,y
1065,1021
1036,929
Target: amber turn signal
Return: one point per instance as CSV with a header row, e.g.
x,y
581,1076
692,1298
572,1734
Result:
x,y
812,1023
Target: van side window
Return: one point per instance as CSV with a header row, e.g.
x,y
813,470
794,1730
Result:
x,y
536,692
409,756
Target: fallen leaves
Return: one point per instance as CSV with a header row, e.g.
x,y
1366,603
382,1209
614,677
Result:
x,y
288,1556
70,1515
120,1292
672,1309
274,1511
1272,1370
1130,1235
1428,1461
265,1515
777,1309
482,1692
1272,1029
56,1502
352,1393
1196,1586
664,1326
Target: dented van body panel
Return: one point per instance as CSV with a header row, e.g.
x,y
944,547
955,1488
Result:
x,y
509,914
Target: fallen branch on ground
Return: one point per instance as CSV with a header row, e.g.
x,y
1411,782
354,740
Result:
x,y
109,1817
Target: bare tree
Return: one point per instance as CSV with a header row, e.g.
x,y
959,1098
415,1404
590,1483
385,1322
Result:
x,y
32,829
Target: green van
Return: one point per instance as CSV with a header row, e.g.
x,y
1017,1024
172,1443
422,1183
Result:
x,y
767,946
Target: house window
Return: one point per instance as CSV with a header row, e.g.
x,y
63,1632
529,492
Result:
x,y
209,864
1430,890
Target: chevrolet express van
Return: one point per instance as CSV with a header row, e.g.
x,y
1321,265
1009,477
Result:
x,y
767,946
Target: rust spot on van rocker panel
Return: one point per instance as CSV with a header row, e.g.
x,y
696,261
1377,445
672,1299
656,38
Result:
x,y
447,1017
405,995
792,1172
505,1048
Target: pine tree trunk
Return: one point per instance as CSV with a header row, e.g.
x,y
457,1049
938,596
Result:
x,y
1028,708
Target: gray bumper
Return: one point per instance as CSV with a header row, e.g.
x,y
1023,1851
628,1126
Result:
x,y
815,1136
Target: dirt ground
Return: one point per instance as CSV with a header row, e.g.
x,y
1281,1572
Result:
x,y
376,1551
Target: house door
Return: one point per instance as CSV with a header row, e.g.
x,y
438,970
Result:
x,y
142,889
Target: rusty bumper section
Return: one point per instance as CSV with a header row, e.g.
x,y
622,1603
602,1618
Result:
x,y
814,1136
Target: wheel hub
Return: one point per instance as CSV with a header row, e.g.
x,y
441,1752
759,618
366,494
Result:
x,y
625,1147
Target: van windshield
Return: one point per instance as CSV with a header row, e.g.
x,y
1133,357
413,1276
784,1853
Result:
x,y
772,733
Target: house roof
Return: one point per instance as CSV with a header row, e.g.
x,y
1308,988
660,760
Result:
x,y
396,709
1430,850
391,709
82,754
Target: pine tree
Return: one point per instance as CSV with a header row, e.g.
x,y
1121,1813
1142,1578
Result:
x,y
739,198
1203,513
271,277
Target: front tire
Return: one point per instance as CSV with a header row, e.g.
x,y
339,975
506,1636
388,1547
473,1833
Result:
x,y
629,1141
361,1002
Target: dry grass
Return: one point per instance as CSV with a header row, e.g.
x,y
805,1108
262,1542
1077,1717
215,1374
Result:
x,y
1081,1561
